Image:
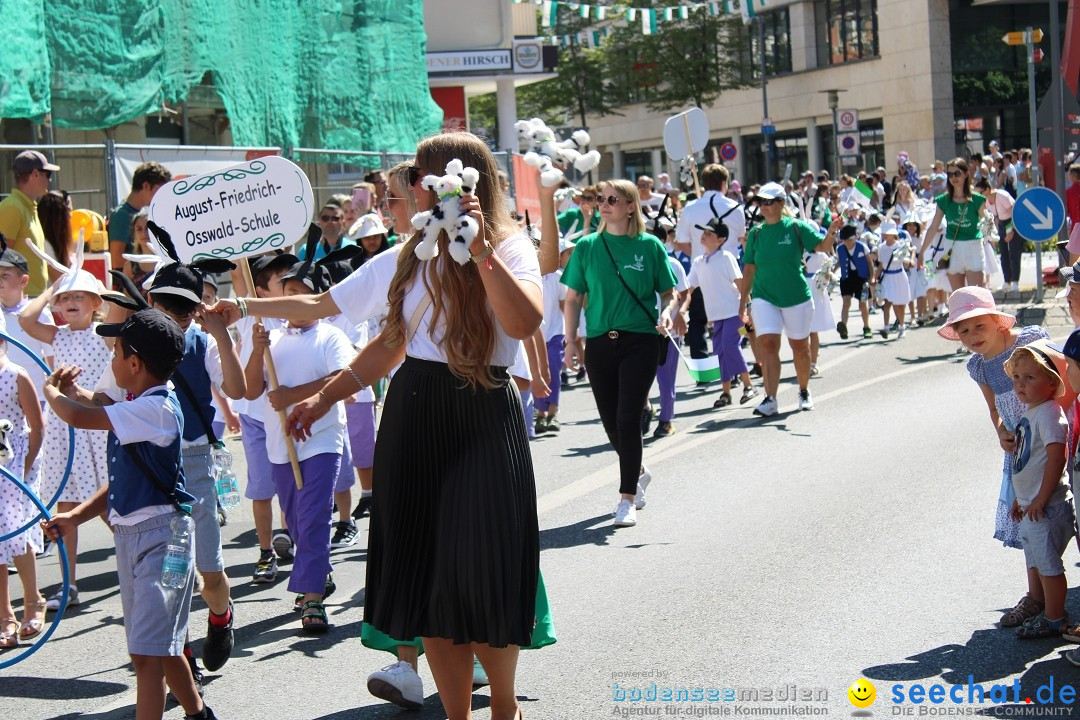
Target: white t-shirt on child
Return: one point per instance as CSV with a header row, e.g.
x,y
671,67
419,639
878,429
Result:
x,y
302,355
256,409
1042,425
716,274
554,293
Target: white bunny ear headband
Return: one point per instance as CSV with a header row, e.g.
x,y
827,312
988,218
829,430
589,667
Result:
x,y
74,279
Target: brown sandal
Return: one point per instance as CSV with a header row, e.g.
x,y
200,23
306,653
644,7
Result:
x,y
9,639
32,626
1027,608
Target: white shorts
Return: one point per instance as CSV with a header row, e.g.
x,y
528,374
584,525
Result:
x,y
771,320
967,257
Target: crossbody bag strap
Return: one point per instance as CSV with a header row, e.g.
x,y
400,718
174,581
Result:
x,y
418,314
190,395
153,478
887,265
653,320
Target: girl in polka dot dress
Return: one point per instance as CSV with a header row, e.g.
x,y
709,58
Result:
x,y
76,298
21,430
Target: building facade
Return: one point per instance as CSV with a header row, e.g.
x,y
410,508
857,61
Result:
x,y
909,69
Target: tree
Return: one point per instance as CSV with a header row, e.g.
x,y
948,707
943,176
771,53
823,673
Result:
x,y
687,62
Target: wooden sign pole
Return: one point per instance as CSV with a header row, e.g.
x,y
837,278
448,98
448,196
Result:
x,y
693,164
271,371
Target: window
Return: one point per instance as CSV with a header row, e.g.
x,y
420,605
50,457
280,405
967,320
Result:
x,y
777,46
847,30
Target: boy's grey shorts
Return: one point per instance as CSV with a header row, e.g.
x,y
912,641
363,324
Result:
x,y
199,481
155,617
1045,541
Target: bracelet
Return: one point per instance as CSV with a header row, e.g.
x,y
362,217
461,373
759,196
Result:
x,y
241,303
356,377
483,254
323,397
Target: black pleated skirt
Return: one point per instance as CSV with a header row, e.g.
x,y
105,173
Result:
x,y
453,541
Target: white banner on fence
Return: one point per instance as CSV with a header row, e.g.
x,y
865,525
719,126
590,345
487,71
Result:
x,y
238,211
181,161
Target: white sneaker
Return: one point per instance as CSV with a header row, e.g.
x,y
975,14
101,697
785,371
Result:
x,y
479,674
642,484
767,407
399,684
805,401
900,332
625,514
814,372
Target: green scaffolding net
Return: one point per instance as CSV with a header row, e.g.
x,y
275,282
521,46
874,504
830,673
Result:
x,y
345,74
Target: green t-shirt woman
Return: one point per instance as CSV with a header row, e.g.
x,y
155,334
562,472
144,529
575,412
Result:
x,y
962,209
617,273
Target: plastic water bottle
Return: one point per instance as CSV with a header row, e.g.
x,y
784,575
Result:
x,y
177,563
228,487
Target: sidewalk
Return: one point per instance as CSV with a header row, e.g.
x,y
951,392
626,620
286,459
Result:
x,y
1051,313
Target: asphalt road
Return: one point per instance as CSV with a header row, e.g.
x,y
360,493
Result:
x,y
810,549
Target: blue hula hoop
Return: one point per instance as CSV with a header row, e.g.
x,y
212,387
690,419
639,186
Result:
x,y
66,588
71,446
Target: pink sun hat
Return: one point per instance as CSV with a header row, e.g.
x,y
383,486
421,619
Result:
x,y
969,302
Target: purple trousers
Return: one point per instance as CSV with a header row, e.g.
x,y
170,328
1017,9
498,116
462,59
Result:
x,y
307,512
556,353
665,378
725,342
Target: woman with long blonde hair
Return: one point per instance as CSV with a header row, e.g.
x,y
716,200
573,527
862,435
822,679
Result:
x,y
453,554
621,268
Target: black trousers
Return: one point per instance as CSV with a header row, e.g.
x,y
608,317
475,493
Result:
x,y
621,372
697,331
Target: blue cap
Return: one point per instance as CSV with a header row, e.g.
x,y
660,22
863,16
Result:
x,y
1071,347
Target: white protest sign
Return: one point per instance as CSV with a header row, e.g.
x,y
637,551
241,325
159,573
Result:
x,y
243,210
686,133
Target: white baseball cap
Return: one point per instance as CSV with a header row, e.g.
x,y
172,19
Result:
x,y
771,191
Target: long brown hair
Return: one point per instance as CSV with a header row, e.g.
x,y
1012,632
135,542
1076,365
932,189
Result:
x,y
55,217
456,290
960,164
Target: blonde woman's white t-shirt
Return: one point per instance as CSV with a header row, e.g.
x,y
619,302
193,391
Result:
x,y
519,254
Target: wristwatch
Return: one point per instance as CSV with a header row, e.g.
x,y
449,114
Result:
x,y
482,255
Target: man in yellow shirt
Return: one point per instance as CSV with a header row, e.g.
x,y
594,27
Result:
x,y
18,214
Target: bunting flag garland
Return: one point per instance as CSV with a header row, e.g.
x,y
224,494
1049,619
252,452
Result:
x,y
648,22
650,18
550,13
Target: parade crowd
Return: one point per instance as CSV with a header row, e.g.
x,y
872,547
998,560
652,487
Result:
x,y
367,383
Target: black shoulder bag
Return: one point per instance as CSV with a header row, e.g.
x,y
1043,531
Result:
x,y
662,346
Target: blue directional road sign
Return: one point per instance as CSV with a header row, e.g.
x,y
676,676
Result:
x,y
1038,214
